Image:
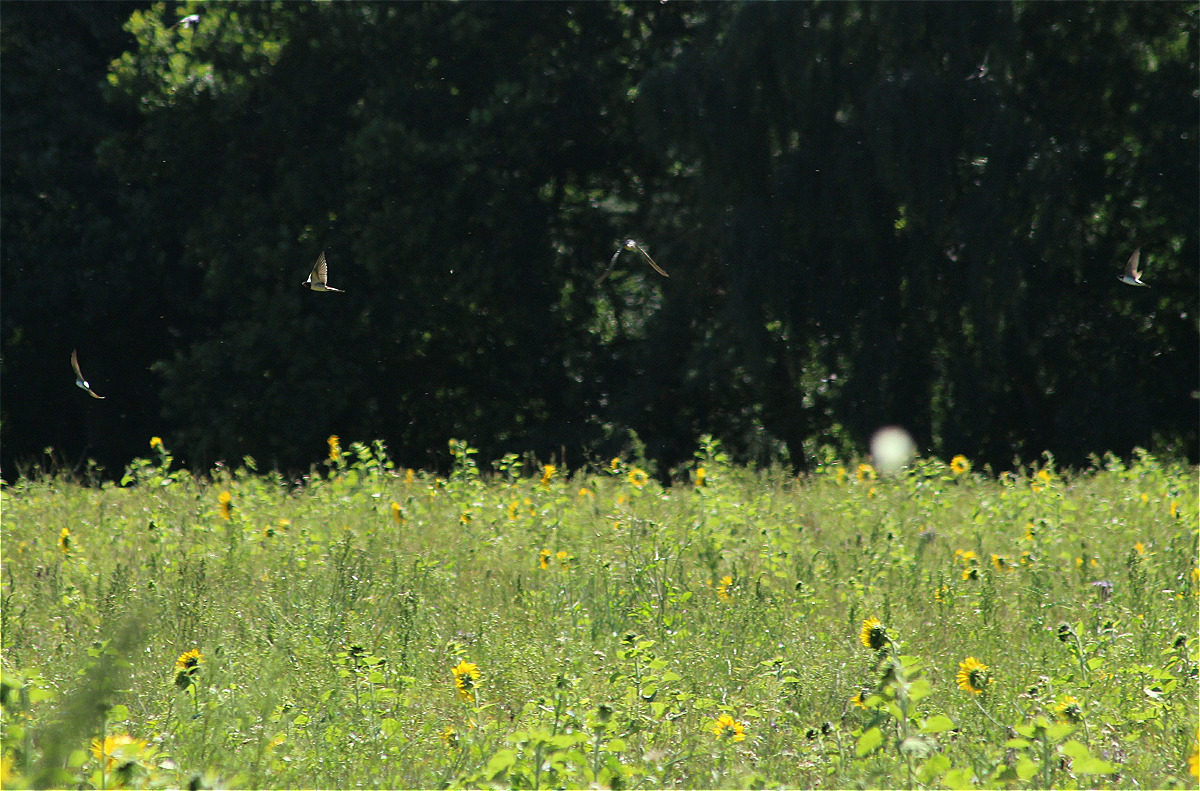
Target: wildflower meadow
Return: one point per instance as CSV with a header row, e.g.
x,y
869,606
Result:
x,y
521,625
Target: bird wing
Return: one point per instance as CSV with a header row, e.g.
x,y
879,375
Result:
x,y
320,273
75,363
611,263
650,260
1131,266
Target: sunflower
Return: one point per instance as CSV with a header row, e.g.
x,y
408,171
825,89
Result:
x,y
117,747
544,559
638,477
959,465
726,727
187,666
865,473
223,500
548,471
973,676
397,513
723,587
465,676
873,634
335,448
701,474
156,443
1069,709
64,541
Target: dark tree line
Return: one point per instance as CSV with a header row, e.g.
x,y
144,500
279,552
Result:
x,y
870,213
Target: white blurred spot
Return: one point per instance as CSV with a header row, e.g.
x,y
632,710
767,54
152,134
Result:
x,y
891,449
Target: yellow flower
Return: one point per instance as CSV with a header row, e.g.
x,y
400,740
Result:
x,y
615,464
857,700
723,587
965,555
970,573
1002,562
544,559
1174,509
1044,476
1068,709
873,634
584,492
335,448
187,666
188,661
397,514
940,593
701,474
1030,533
726,727
465,676
156,443
409,475
959,465
839,475
449,736
637,476
64,541
548,471
865,472
1140,548
117,749
223,500
513,508
973,676
1194,758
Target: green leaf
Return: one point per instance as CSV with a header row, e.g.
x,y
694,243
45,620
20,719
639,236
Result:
x,y
938,723
868,742
118,713
1027,768
959,778
933,768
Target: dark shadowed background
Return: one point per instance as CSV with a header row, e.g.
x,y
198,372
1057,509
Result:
x,y
870,213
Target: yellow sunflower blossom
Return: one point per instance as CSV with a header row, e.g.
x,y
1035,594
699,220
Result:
x,y
701,475
548,471
397,513
409,475
1194,758
959,465
64,541
973,676
873,634
465,676
865,473
335,448
1069,709
116,749
638,477
449,737
544,559
726,727
723,588
224,500
1140,548
156,443
187,666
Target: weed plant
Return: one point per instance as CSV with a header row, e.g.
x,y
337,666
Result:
x,y
375,627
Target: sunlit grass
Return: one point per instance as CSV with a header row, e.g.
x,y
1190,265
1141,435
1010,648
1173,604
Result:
x,y
536,627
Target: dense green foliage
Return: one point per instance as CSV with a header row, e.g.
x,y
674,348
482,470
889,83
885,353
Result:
x,y
870,213
940,628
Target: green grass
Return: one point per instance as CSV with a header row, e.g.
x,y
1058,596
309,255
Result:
x,y
329,614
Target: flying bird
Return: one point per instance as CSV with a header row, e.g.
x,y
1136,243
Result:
x,y
318,279
1132,275
631,244
80,382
